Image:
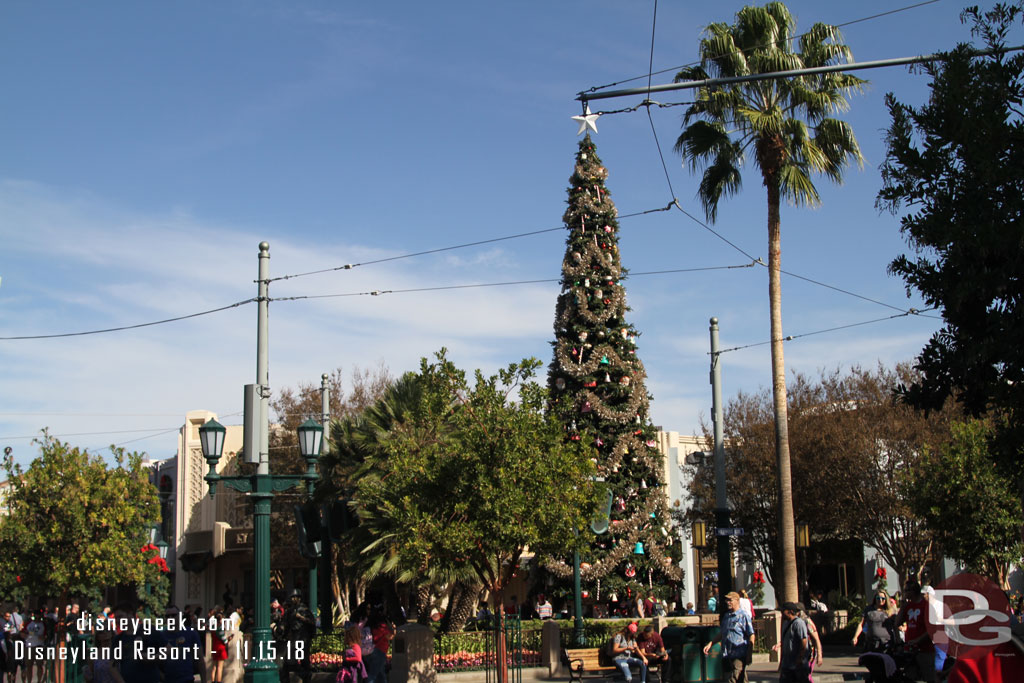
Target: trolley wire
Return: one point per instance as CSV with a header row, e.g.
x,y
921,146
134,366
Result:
x,y
129,327
648,75
910,312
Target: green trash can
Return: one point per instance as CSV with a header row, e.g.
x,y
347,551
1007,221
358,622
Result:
x,y
689,663
713,659
679,641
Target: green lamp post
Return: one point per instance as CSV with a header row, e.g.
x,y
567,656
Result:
x,y
311,437
262,667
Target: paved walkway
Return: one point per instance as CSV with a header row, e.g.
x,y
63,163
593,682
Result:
x,y
841,667
832,669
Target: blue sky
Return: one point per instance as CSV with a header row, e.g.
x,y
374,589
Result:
x,y
148,148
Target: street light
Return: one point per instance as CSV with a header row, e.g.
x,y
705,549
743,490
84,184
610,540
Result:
x,y
262,667
261,487
700,535
803,542
803,536
311,435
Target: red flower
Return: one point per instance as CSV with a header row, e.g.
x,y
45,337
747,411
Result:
x,y
880,573
758,577
149,547
160,562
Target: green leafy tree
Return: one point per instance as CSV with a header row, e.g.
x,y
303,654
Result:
x,y
358,453
954,172
475,475
597,388
853,445
971,508
787,125
76,526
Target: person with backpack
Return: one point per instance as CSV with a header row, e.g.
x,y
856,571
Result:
x,y
794,663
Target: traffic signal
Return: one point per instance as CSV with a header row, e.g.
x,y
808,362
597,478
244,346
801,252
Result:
x,y
309,527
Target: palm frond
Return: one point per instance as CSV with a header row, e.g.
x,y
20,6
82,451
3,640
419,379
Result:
x,y
797,187
721,179
691,73
702,141
839,146
822,44
792,112
764,122
720,54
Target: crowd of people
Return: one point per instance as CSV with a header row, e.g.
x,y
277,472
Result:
x,y
133,646
900,623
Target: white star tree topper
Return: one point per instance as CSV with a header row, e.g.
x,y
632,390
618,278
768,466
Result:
x,y
587,121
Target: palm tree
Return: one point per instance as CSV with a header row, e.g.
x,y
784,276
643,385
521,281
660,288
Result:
x,y
785,124
372,551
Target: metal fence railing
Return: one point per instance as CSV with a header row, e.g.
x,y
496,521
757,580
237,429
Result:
x,y
475,651
762,628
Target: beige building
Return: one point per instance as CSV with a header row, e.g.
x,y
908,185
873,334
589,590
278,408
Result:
x,y
211,538
677,448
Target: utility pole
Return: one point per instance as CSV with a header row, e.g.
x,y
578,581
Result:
x,y
260,487
321,602
721,500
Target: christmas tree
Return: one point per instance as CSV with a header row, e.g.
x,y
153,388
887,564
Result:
x,y
597,389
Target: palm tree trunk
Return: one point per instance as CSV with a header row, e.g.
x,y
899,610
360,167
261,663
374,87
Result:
x,y
424,592
462,606
789,588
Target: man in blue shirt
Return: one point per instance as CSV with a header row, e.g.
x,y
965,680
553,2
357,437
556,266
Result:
x,y
737,637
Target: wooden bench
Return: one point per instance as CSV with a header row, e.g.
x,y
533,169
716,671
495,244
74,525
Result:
x,y
586,662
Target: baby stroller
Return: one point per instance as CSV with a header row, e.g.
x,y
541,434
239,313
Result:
x,y
891,661
895,664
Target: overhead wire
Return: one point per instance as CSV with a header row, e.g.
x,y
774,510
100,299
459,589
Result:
x,y
796,37
325,270
141,438
381,292
912,311
438,250
675,200
760,262
64,414
654,131
129,327
154,432
61,436
350,266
